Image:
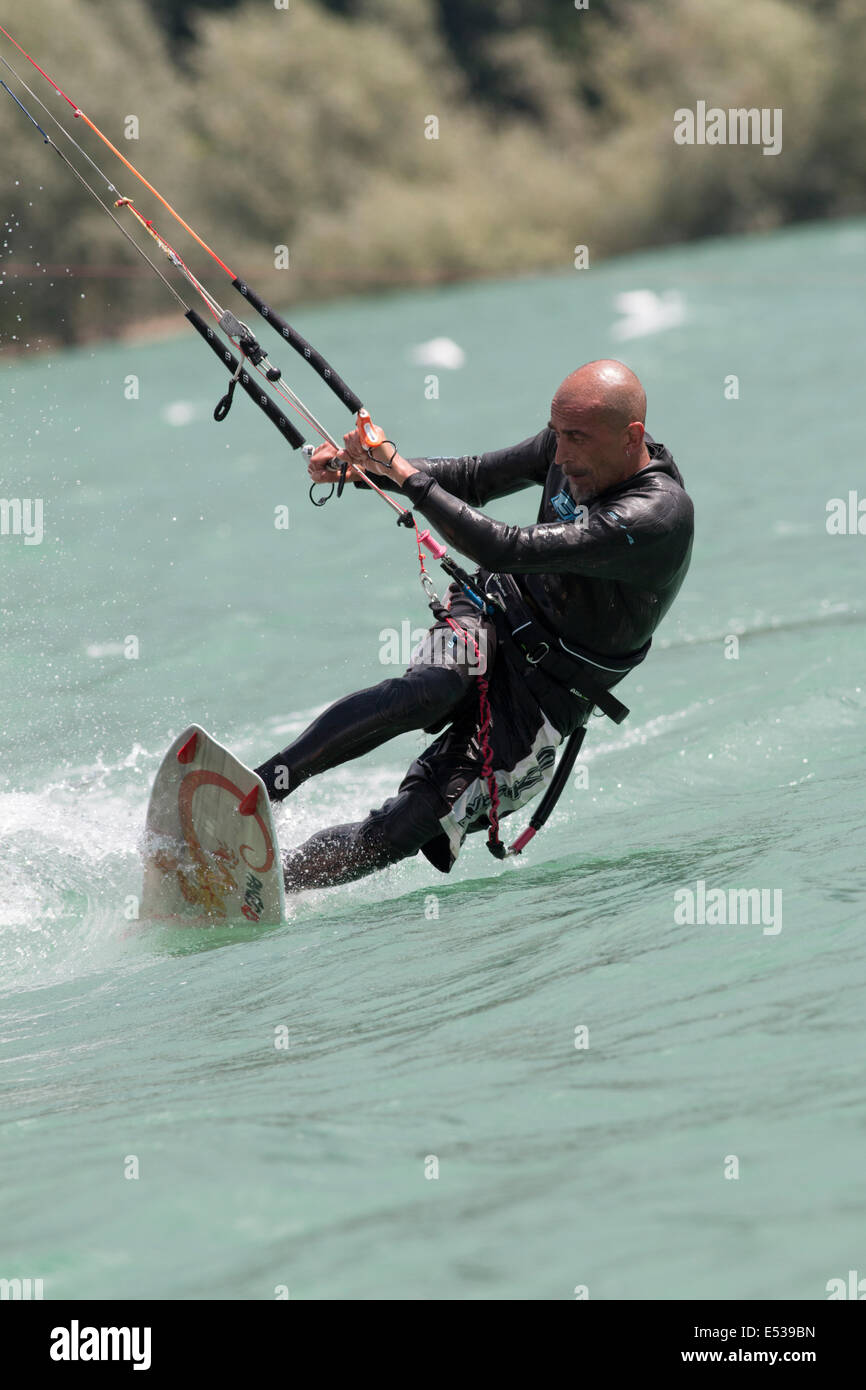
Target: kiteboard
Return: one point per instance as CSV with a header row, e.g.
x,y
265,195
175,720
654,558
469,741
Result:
x,y
211,853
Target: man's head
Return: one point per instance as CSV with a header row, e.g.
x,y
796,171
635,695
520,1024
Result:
x,y
598,416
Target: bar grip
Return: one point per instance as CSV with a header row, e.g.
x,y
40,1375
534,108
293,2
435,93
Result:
x,y
252,388
306,350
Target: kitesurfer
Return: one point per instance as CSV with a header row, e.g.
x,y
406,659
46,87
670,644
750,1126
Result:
x,y
580,593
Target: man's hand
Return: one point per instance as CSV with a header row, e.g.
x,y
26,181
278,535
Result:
x,y
383,460
325,463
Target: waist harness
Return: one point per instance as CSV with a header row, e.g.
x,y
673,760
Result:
x,y
520,631
543,655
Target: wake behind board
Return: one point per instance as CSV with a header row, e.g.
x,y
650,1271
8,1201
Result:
x,y
210,849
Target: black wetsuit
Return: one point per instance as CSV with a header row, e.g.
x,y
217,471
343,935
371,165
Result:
x,y
599,582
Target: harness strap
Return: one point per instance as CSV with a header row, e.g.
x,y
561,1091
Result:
x,y
485,719
554,791
519,629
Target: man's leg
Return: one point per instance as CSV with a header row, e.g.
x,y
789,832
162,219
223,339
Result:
x,y
343,853
431,693
361,722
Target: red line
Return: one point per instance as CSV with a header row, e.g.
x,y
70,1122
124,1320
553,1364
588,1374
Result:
x,y
38,68
122,157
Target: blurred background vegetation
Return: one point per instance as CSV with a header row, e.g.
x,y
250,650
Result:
x,y
306,127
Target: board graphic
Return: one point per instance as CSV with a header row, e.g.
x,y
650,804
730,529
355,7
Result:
x,y
211,853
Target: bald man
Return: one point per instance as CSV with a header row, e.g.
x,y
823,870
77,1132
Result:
x,y
571,603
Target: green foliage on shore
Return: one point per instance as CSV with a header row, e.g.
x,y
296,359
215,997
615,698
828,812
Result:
x,y
308,128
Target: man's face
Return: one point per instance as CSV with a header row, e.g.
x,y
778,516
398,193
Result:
x,y
591,454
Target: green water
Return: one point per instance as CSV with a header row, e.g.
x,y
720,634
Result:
x,y
412,1035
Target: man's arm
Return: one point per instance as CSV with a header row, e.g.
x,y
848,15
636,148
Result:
x,y
625,539
478,478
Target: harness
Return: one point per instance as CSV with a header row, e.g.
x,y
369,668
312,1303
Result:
x,y
587,677
547,662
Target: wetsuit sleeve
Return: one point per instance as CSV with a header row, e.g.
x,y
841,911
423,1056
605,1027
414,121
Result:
x,y
478,478
635,537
